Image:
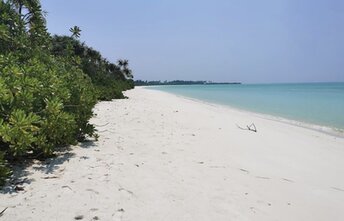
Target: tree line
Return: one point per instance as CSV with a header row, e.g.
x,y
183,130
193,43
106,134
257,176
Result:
x,y
48,85
178,82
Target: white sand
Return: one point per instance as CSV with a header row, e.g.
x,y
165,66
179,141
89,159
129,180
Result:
x,y
162,157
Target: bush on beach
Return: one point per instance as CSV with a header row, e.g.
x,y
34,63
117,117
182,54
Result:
x,y
48,87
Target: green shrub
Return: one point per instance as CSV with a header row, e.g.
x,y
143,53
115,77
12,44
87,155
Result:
x,y
108,79
45,103
19,132
48,85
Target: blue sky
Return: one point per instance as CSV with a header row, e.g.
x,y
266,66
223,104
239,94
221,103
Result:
x,y
261,41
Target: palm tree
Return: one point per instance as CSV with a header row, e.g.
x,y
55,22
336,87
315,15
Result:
x,y
32,20
75,31
125,64
18,4
34,13
31,6
120,63
127,73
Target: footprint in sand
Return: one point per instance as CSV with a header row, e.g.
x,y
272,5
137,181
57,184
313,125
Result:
x,y
336,188
79,217
92,190
246,171
67,187
291,181
263,177
118,216
126,191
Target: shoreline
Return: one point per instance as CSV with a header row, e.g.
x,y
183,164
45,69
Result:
x,y
332,131
163,157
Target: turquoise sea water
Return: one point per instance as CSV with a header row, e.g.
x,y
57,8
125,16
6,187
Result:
x,y
313,103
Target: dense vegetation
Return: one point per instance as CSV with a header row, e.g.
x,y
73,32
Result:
x,y
109,79
178,82
48,85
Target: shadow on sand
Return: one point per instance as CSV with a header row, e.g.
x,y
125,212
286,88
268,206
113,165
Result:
x,y
23,170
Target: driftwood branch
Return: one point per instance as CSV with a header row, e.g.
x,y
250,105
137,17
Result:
x,y
251,127
2,212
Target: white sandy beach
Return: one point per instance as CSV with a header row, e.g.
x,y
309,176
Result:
x,y
163,157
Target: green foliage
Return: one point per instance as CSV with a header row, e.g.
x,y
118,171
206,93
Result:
x,y
48,86
45,103
113,90
19,132
12,29
108,78
22,27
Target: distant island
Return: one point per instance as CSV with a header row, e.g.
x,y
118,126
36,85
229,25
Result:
x,y
178,82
